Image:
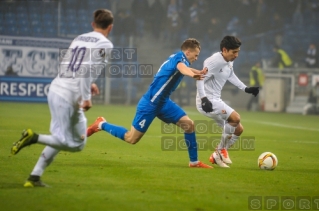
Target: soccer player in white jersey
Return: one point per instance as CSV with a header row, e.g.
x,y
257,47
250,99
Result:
x,y
70,95
209,102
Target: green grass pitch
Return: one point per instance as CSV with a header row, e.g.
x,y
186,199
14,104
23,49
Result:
x,y
112,175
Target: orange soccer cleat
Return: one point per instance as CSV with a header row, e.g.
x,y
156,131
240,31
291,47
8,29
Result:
x,y
93,128
199,164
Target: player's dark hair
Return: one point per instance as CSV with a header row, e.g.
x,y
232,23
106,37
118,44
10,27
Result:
x,y
102,18
191,43
230,42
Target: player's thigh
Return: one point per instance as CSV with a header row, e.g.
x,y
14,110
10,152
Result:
x,y
54,111
142,121
171,112
78,129
144,116
222,109
133,136
74,128
212,115
68,123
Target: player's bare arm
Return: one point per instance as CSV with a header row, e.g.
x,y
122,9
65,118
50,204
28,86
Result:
x,y
188,71
203,71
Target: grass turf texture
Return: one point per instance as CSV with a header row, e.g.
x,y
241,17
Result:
x,y
112,175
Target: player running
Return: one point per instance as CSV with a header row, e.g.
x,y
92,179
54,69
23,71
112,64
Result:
x,y
209,103
69,96
156,102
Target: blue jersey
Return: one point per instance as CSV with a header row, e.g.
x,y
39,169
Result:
x,y
166,79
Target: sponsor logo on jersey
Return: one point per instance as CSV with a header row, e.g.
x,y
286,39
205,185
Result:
x,y
102,52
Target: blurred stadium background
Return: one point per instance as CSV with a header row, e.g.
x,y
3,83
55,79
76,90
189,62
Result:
x,y
32,32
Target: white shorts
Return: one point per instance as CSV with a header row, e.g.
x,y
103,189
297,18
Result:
x,y
68,123
221,111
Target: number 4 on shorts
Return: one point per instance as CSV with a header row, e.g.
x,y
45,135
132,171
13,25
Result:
x,y
142,123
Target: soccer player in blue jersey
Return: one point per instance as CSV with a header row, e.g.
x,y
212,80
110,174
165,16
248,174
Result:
x,y
156,102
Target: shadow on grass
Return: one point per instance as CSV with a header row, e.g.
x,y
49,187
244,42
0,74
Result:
x,y
11,186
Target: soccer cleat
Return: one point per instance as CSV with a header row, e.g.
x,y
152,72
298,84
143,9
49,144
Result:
x,y
32,184
224,155
199,165
27,138
93,128
216,159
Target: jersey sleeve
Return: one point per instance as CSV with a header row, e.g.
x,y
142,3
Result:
x,y
102,54
99,57
103,51
179,58
213,65
235,80
85,88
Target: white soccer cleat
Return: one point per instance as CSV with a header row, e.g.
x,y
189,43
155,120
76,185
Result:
x,y
216,159
224,155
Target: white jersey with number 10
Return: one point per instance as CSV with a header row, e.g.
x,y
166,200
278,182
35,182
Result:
x,y
81,64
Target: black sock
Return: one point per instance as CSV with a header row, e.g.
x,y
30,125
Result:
x,y
34,138
34,178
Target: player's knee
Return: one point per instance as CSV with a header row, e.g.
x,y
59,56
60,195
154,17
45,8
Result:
x,y
239,130
129,138
188,126
132,140
237,119
241,127
78,144
77,148
234,118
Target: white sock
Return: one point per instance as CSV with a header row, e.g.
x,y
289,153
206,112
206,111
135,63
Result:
x,y
45,160
223,141
229,129
193,162
227,132
231,141
100,125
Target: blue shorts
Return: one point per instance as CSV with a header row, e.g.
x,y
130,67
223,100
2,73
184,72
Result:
x,y
168,112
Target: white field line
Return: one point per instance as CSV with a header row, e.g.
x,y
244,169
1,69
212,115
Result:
x,y
271,124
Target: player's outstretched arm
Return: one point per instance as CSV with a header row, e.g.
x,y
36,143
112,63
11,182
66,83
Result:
x,y
187,71
207,106
203,71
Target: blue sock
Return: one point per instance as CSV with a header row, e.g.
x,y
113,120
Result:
x,y
191,143
114,130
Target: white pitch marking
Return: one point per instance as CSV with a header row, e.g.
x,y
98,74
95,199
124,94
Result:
x,y
272,124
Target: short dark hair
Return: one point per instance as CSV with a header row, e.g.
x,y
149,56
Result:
x,y
230,42
102,18
190,43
